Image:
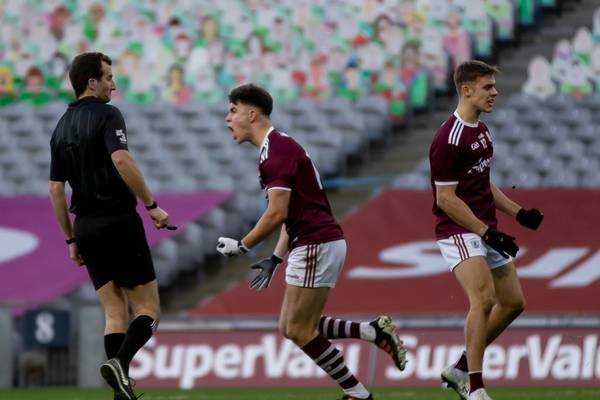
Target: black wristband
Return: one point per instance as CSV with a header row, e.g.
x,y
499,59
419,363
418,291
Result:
x,y
276,259
71,240
152,206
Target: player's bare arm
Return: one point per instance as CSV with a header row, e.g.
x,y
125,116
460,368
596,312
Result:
x,y
275,215
458,210
503,203
529,218
61,211
281,248
131,174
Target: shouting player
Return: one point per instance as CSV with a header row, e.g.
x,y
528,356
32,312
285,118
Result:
x,y
298,206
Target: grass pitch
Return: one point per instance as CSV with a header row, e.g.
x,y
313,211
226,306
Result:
x,y
399,393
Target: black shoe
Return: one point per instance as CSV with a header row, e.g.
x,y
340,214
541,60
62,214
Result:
x,y
387,340
348,397
113,374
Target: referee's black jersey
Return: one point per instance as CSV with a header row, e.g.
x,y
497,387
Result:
x,y
81,147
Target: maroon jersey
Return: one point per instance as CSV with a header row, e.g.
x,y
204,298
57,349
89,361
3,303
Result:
x,y
284,164
460,154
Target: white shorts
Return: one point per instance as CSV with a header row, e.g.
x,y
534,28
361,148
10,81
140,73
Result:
x,y
457,248
316,265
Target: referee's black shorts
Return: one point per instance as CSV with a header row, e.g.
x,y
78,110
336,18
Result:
x,y
114,248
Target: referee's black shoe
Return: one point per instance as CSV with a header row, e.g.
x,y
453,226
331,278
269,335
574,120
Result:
x,y
113,374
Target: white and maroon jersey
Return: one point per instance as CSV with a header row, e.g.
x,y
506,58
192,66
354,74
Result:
x,y
284,164
461,154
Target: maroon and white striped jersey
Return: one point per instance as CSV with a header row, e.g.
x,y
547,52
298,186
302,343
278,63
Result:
x,y
285,165
461,154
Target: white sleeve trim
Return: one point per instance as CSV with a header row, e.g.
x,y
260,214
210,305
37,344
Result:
x,y
280,188
445,183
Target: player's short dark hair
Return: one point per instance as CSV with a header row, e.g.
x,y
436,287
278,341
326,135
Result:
x,y
84,67
469,71
253,95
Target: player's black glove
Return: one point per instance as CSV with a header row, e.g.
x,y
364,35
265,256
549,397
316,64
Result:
x,y
531,218
501,242
267,267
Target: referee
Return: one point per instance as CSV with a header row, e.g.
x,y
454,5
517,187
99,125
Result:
x,y
89,150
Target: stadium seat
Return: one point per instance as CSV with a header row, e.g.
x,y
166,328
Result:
x,y
584,164
567,149
514,133
523,179
560,102
531,149
552,132
560,178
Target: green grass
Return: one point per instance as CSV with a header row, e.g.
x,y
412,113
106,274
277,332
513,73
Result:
x,y
399,393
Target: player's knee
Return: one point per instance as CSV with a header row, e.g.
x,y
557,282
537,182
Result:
x,y
152,312
484,303
297,333
516,307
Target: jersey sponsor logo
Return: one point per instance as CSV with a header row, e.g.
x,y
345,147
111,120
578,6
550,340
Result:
x,y
563,267
474,145
121,135
480,166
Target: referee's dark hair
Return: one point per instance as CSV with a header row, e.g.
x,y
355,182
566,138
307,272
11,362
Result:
x,y
254,95
84,67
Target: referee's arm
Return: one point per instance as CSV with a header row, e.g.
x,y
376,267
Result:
x,y
131,174
60,207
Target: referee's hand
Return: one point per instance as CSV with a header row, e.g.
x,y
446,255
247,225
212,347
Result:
x,y
159,217
75,255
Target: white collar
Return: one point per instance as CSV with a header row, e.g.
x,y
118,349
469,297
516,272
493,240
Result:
x,y
471,124
266,139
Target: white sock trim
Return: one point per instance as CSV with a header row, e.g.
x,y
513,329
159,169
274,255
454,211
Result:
x,y
367,332
358,391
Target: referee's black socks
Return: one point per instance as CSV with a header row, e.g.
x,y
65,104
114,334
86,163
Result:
x,y
112,344
139,332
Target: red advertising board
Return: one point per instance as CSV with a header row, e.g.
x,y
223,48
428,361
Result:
x,y
189,359
394,265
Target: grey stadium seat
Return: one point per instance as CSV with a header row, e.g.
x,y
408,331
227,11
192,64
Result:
x,y
567,149
590,179
584,164
591,102
571,117
531,149
501,117
586,131
593,149
548,165
561,178
507,164
552,132
514,132
535,117
522,102
560,101
523,179
413,180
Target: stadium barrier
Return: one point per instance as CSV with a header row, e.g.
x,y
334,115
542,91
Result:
x,y
525,356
